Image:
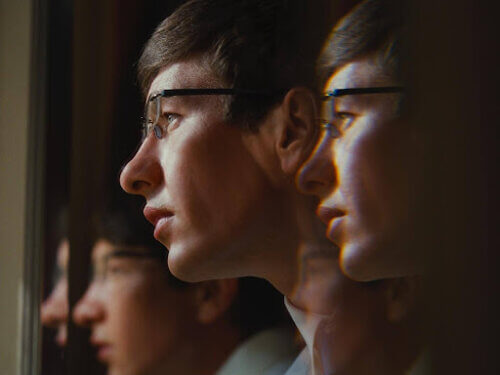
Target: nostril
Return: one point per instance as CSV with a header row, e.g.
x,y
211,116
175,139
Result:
x,y
137,186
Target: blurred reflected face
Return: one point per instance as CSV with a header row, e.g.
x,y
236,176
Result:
x,y
351,339
206,185
355,322
140,324
54,310
362,174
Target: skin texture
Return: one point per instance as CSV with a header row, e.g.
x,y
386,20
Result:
x,y
54,310
141,325
363,178
228,193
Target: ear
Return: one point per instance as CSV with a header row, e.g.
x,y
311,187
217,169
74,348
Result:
x,y
402,296
298,133
214,298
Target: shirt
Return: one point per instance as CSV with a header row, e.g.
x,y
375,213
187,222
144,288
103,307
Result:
x,y
308,361
269,352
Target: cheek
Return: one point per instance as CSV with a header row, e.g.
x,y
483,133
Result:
x,y
145,319
212,178
376,173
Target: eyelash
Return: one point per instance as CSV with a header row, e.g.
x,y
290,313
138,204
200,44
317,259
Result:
x,y
159,130
116,268
336,128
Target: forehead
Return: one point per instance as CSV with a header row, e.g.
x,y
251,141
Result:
x,y
192,73
364,72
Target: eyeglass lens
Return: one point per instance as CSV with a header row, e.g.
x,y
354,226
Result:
x,y
152,117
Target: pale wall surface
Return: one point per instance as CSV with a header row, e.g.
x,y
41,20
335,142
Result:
x,y
15,35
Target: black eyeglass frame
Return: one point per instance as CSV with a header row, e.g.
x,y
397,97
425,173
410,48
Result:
x,y
335,93
148,124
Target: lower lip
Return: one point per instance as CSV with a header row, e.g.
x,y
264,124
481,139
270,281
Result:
x,y
333,231
104,353
161,227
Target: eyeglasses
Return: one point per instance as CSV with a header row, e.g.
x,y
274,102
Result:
x,y
153,121
331,121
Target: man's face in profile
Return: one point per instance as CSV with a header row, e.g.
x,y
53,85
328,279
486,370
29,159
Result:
x,y
206,182
362,174
54,310
139,323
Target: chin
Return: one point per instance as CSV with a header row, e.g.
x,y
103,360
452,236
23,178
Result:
x,y
375,259
359,262
189,263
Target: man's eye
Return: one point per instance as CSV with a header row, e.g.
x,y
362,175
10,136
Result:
x,y
342,120
169,121
116,268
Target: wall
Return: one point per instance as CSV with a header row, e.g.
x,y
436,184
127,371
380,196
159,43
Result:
x,y
15,34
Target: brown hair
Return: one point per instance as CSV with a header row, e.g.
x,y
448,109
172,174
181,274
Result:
x,y
248,44
372,27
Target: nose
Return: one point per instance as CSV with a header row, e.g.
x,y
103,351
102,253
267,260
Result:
x,y
89,309
143,174
317,175
54,310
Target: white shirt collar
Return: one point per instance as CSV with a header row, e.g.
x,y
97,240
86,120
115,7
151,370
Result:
x,y
267,352
307,323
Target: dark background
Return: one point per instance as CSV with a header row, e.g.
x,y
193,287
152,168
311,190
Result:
x,y
107,39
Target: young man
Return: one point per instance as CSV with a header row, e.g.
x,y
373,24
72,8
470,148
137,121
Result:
x,y
229,121
365,167
228,125
145,321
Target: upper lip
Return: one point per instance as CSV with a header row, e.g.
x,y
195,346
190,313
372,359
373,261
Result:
x,y
98,342
153,215
326,214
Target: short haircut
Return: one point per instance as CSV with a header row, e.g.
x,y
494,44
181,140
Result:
x,y
374,27
247,44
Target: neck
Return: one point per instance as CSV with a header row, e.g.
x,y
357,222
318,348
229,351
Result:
x,y
299,232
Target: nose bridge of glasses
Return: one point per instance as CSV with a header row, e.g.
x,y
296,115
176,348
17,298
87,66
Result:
x,y
152,111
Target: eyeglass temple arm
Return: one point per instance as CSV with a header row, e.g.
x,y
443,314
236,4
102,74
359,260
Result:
x,y
362,90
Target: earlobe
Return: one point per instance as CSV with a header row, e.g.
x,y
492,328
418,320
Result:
x,y
214,298
298,133
402,295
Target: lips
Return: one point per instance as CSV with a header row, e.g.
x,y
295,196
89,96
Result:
x,y
159,217
153,215
327,214
103,349
332,217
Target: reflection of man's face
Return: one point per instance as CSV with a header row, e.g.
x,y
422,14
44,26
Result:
x,y
358,327
140,324
208,185
362,176
54,310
